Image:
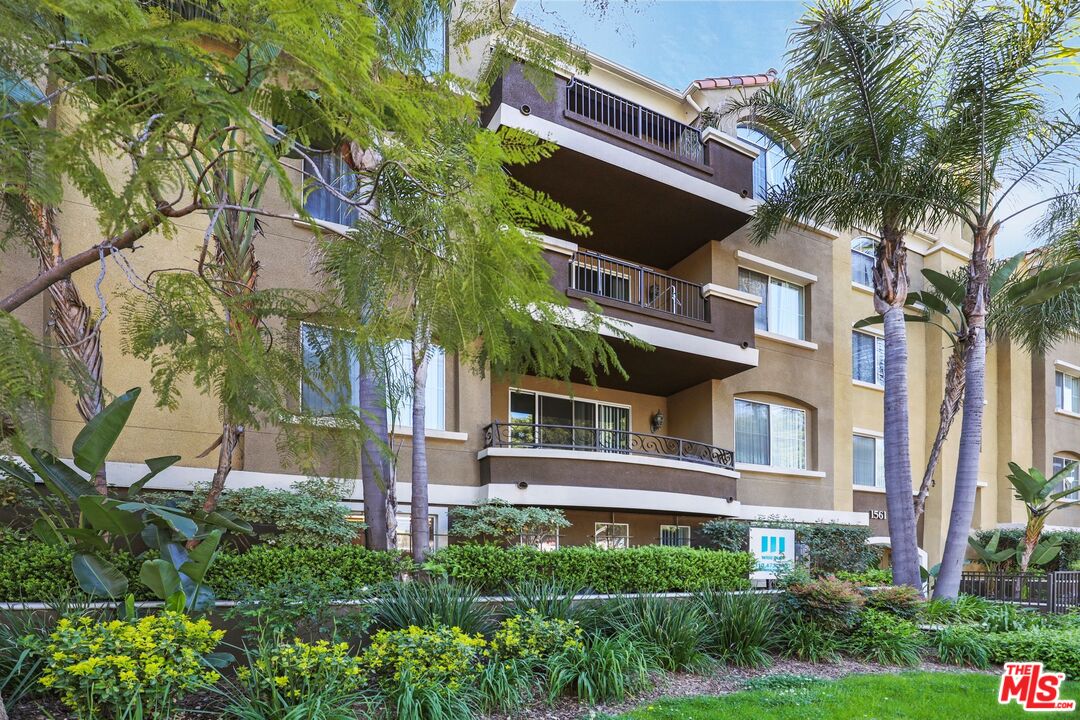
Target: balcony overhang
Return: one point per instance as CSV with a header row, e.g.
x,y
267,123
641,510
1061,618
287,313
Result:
x,y
652,209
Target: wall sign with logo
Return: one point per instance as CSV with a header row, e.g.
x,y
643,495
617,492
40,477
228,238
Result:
x,y
774,550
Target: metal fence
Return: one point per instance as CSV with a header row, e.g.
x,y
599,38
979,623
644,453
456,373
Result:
x,y
632,119
617,279
1051,592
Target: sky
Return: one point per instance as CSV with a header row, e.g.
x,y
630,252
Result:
x,y
679,41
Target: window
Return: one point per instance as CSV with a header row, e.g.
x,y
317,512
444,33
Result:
x,y
772,165
399,362
768,434
567,422
867,358
868,460
332,376
782,308
1071,480
675,535
320,202
403,534
611,536
862,261
1068,392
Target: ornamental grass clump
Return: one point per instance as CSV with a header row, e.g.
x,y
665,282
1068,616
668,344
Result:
x,y
129,668
887,639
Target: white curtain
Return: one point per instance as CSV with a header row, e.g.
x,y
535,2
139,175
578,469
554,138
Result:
x,y
868,460
751,432
786,309
787,426
757,284
399,358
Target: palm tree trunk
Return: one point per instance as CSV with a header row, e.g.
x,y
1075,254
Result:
x,y
419,513
902,536
950,406
1032,533
976,300
73,324
374,459
890,296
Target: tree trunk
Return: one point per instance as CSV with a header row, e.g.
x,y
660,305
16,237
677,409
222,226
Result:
x,y
976,299
230,441
890,296
1032,533
419,511
73,324
3,710
374,457
950,406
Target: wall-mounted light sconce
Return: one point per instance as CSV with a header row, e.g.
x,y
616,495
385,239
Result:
x,y
656,421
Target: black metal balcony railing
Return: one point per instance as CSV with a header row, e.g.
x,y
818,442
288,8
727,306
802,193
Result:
x,y
630,118
617,279
592,439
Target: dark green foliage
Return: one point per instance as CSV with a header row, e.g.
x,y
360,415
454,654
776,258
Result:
x,y
675,631
344,572
1010,538
30,570
506,685
497,520
22,635
296,608
900,600
1058,650
805,639
608,667
739,627
887,639
401,605
641,569
1006,617
827,601
965,609
963,645
550,598
833,548
875,577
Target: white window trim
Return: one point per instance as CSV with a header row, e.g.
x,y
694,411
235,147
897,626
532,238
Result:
x,y
769,334
878,438
862,288
775,269
1076,493
1067,370
512,390
1067,367
777,337
776,469
868,386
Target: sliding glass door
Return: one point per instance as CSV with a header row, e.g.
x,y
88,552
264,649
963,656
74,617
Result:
x,y
557,421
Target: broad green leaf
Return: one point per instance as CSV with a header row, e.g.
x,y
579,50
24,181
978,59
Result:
x,y
179,523
201,556
98,436
934,302
103,515
161,577
1044,553
177,602
61,478
156,466
219,660
225,519
952,290
85,539
1003,272
175,553
17,471
46,532
869,321
97,576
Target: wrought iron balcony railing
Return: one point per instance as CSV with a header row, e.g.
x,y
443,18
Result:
x,y
630,118
592,439
617,279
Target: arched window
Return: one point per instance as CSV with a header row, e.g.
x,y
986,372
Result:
x,y
772,165
862,261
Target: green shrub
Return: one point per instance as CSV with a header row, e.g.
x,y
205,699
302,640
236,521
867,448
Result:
x,y
550,598
900,600
739,627
963,645
887,639
827,601
316,681
1006,617
402,605
643,569
297,608
22,636
502,522
804,639
1011,537
833,547
344,572
533,637
965,609
31,570
875,577
1058,650
673,630
506,686
128,668
608,667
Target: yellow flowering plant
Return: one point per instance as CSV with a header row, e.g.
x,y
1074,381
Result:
x,y
129,668
439,656
531,636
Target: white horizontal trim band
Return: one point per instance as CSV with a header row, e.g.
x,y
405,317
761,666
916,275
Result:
x,y
614,457
804,344
770,470
714,290
771,267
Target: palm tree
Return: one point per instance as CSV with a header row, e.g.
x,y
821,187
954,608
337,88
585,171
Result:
x,y
854,115
996,133
1040,497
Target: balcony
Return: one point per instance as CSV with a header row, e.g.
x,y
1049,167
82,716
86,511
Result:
x,y
608,277
592,439
638,174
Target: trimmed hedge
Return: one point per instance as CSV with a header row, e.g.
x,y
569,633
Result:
x,y
491,568
1057,649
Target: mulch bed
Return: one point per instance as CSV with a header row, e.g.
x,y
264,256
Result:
x,y
722,681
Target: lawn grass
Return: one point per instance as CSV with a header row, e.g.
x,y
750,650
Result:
x,y
905,696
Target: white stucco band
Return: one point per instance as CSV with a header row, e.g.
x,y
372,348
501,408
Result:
x,y
620,157
650,460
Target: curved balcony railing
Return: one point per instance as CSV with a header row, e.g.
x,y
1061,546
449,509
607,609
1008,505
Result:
x,y
592,439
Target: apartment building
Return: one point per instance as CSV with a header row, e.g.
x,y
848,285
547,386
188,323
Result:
x,y
757,399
